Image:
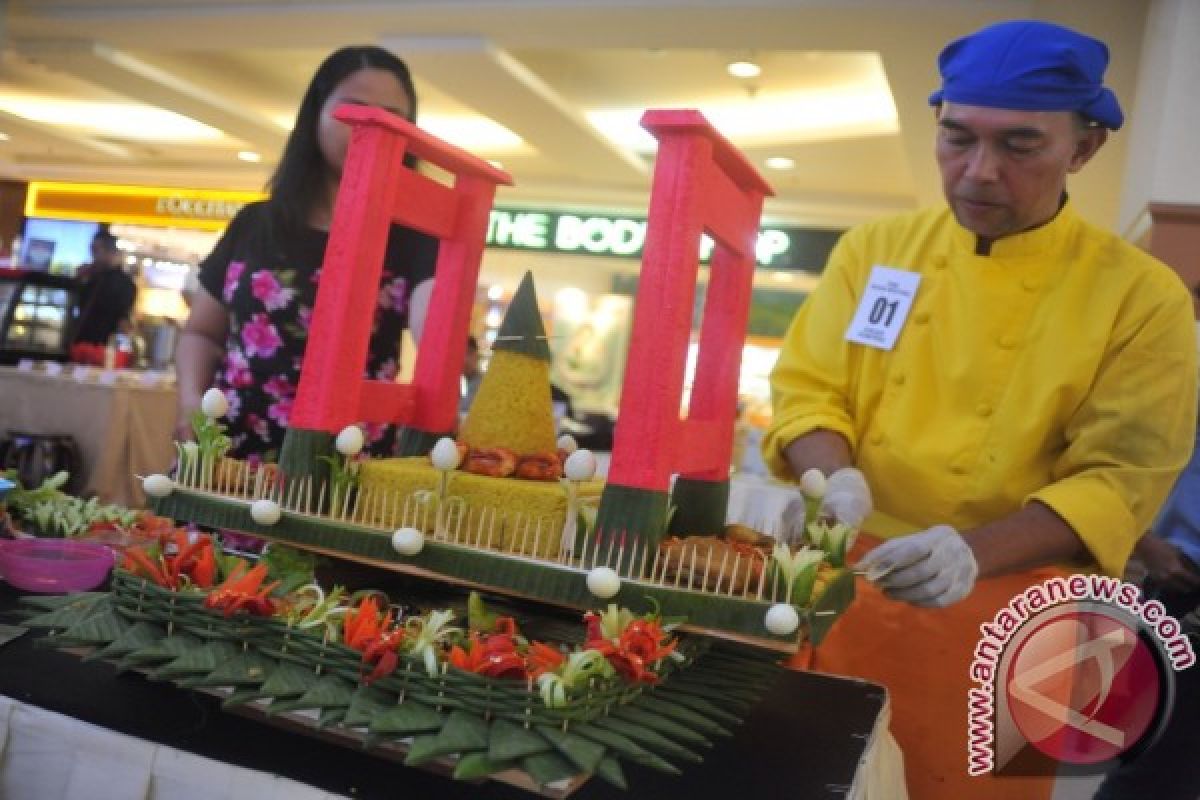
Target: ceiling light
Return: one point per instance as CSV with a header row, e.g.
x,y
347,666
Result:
x,y
743,69
806,116
782,277
4,137
119,120
495,292
249,156
780,162
474,134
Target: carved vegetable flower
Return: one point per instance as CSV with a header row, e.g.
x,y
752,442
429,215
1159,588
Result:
x,y
797,571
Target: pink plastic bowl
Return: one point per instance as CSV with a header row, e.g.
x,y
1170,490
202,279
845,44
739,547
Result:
x,y
54,565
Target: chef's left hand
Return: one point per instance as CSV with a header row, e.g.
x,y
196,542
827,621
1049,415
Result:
x,y
932,568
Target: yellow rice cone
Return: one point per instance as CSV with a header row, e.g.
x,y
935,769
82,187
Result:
x,y
512,408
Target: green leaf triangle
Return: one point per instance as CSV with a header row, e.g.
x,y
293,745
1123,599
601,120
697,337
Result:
x,y
522,330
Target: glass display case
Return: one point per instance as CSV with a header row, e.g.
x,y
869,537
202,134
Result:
x,y
35,315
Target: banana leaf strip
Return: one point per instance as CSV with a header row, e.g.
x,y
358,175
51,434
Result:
x,y
546,768
651,740
700,705
727,697
585,754
682,714
329,691
162,651
246,668
508,741
610,770
330,716
100,628
626,747
407,718
134,637
473,766
367,703
196,661
240,697
421,750
288,680
50,602
64,616
664,725
836,598
462,733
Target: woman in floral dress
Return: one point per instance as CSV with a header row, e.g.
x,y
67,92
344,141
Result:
x,y
250,318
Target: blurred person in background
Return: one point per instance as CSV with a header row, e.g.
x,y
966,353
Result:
x,y
250,315
472,374
106,295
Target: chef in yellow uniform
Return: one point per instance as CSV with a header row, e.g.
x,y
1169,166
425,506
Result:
x,y
1010,386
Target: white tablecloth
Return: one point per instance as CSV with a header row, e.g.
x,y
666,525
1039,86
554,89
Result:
x,y
48,756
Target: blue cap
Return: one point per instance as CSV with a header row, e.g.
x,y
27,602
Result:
x,y
1031,66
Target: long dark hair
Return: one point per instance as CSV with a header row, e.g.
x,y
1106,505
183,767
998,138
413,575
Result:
x,y
298,181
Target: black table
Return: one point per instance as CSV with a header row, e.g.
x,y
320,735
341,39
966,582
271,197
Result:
x,y
805,740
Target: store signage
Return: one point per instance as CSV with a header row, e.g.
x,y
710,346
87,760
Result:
x,y
202,209
623,237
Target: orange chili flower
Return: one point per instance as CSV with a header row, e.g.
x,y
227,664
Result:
x,y
494,656
542,658
244,590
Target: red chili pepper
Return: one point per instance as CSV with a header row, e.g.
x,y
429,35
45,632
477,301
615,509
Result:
x,y
244,589
139,563
542,658
382,652
205,569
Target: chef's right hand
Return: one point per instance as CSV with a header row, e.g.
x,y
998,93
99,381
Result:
x,y
847,497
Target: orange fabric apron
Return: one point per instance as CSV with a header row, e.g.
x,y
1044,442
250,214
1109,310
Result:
x,y
923,657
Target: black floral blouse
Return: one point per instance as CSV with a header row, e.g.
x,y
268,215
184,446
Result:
x,y
269,288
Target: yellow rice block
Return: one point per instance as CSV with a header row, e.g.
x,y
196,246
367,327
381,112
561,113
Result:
x,y
515,515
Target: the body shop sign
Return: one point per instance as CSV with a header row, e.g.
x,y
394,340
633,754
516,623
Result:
x,y
623,237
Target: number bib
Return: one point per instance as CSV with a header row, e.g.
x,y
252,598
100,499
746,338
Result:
x,y
883,308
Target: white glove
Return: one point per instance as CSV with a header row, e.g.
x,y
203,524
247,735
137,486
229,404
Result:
x,y
932,568
844,496
847,498
792,522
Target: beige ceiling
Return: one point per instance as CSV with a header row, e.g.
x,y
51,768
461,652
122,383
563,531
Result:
x,y
538,68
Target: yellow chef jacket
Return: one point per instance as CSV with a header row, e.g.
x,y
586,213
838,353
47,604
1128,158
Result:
x,y
1061,367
